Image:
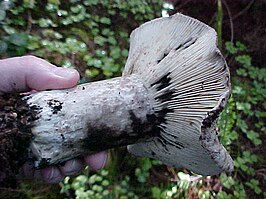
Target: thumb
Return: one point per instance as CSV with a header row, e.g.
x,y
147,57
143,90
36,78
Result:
x,y
20,74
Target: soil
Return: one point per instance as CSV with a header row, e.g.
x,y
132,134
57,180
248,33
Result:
x,y
16,120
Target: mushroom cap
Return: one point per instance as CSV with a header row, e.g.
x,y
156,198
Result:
x,y
178,60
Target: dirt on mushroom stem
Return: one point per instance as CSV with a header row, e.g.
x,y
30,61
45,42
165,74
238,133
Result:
x,y
16,120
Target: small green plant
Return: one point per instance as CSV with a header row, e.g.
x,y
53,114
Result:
x,y
97,186
143,172
246,105
90,35
94,186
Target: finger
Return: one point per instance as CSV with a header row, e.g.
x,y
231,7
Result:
x,y
26,73
51,174
96,161
28,170
71,167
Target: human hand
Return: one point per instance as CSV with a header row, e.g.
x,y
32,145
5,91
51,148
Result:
x,y
22,74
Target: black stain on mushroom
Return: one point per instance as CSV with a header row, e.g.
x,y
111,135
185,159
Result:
x,y
211,117
103,137
55,105
178,47
186,44
167,139
163,82
164,55
62,136
44,162
189,42
168,95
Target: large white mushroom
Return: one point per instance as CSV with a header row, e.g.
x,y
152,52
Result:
x,y
165,105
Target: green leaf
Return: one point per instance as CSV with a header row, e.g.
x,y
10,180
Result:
x,y
254,184
230,47
29,3
227,182
3,46
254,137
241,46
2,14
99,40
244,59
56,2
156,192
18,39
44,23
105,20
242,72
92,72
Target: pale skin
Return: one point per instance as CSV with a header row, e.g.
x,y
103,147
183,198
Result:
x,y
28,73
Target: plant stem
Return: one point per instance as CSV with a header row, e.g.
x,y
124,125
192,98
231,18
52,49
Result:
x,y
219,22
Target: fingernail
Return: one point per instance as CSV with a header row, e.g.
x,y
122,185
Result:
x,y
65,72
71,167
51,175
97,161
104,160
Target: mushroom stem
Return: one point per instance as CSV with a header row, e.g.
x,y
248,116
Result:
x,y
88,118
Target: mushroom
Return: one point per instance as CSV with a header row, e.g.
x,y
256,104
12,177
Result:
x,y
165,105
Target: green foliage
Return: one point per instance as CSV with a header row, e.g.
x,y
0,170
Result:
x,y
143,172
246,105
97,186
219,22
90,35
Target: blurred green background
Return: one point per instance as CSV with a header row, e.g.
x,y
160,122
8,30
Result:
x,y
93,37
